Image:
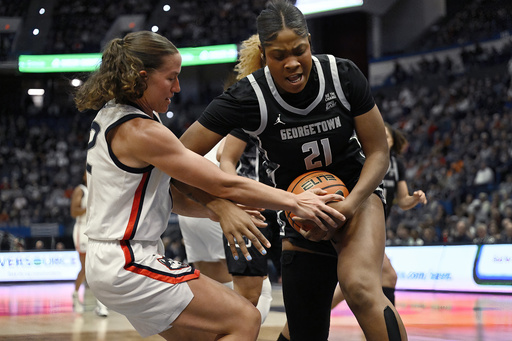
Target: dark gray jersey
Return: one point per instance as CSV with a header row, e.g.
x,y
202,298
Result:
x,y
301,132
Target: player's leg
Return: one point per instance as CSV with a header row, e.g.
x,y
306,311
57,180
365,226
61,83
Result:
x,y
389,279
215,311
360,245
257,289
204,247
77,305
309,280
338,297
217,270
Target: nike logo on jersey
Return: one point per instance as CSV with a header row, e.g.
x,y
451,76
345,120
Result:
x,y
278,121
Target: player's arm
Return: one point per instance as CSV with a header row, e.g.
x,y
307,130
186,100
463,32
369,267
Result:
x,y
372,136
75,208
406,201
185,206
232,151
241,189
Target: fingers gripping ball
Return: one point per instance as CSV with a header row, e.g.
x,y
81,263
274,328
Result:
x,y
310,180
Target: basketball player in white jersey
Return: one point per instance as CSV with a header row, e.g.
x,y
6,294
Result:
x,y
130,161
78,210
203,241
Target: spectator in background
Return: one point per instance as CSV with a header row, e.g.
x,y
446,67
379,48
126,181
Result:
x,y
415,238
482,235
5,241
429,236
403,235
506,233
461,234
480,208
484,175
39,246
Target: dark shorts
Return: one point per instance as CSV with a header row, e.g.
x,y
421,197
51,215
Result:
x,y
258,266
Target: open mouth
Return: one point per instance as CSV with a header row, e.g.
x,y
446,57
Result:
x,y
294,78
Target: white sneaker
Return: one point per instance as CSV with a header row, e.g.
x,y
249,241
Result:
x,y
77,305
101,309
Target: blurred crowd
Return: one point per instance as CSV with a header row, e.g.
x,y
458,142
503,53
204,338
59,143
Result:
x,y
458,122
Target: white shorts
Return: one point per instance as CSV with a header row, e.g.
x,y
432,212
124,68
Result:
x,y
134,279
202,238
79,238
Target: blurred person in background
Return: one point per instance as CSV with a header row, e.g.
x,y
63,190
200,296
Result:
x,y
78,209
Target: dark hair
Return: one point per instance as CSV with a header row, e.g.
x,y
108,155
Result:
x,y
119,74
399,140
279,15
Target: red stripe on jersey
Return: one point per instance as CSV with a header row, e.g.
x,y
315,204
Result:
x,y
164,278
137,202
172,277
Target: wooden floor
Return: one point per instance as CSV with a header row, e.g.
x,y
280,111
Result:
x,y
44,312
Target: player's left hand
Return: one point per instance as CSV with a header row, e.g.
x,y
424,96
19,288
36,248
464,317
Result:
x,y
420,197
237,223
316,233
255,213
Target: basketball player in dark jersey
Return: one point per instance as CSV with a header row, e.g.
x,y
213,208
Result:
x,y
250,278
315,113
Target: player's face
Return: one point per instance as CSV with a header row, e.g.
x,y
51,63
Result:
x,y
389,137
162,84
289,60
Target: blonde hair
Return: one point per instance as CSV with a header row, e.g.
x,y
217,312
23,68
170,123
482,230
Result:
x,y
119,75
250,57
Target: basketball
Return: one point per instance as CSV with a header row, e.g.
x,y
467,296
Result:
x,y
314,179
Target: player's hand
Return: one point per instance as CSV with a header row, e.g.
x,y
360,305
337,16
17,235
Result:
x,y
312,205
236,224
254,212
420,197
316,234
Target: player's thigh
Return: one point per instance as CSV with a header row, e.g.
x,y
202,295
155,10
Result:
x,y
389,276
249,287
360,243
217,309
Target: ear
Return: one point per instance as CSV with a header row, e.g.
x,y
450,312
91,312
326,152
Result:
x,y
143,74
309,39
262,55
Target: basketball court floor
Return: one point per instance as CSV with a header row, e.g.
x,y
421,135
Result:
x,y
44,312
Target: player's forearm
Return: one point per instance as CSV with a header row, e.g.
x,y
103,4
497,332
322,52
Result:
x,y
252,193
185,206
407,203
373,172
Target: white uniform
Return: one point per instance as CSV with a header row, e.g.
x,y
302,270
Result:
x,y
127,212
202,236
79,237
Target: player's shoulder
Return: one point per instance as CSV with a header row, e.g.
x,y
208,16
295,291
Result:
x,y
241,92
343,64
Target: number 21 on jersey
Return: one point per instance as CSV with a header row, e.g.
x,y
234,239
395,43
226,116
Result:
x,y
313,159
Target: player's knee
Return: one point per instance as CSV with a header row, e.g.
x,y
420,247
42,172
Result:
x,y
358,294
252,295
389,277
252,317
